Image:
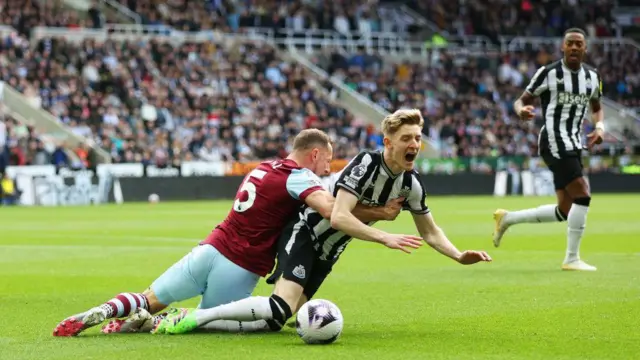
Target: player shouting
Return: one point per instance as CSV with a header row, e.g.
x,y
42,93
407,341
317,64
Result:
x,y
566,88
226,266
370,178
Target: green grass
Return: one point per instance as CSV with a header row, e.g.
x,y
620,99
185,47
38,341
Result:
x,y
55,262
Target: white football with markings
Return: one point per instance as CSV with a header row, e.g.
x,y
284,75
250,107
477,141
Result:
x,y
319,322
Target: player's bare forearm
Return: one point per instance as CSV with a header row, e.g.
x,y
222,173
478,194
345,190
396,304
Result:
x,y
524,100
435,237
439,241
597,119
323,202
361,212
597,114
342,219
367,214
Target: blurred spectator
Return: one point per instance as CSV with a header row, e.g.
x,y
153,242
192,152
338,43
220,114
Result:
x,y
8,191
95,15
59,157
4,150
36,154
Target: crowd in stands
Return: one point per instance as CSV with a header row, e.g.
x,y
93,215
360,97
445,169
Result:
x,y
157,104
490,18
493,18
24,15
25,147
163,104
343,16
468,101
227,15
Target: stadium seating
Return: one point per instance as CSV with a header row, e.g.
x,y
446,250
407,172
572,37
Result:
x,y
204,98
494,18
24,15
24,147
159,102
342,16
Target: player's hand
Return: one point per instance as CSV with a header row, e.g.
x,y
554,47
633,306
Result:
x,y
471,257
595,137
526,112
392,208
402,242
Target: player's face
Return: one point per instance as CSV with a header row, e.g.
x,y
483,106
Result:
x,y
404,146
321,160
574,47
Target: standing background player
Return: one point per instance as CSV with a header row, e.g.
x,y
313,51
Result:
x,y
228,264
566,88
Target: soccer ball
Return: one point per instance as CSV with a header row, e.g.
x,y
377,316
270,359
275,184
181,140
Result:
x,y
319,322
154,198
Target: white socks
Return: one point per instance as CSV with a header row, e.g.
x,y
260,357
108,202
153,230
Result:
x,y
249,309
576,220
237,326
544,213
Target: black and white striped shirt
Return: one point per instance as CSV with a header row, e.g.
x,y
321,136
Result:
x,y
565,96
370,179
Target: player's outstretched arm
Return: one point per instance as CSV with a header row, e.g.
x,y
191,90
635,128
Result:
x,y
342,219
436,238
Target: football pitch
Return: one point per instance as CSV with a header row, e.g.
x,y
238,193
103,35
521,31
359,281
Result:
x,y
55,262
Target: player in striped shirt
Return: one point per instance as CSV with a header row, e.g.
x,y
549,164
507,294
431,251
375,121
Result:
x,y
307,255
227,265
566,88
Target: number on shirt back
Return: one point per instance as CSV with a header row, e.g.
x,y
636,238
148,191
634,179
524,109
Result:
x,y
250,188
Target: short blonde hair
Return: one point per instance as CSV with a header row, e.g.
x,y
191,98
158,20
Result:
x,y
393,122
310,138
